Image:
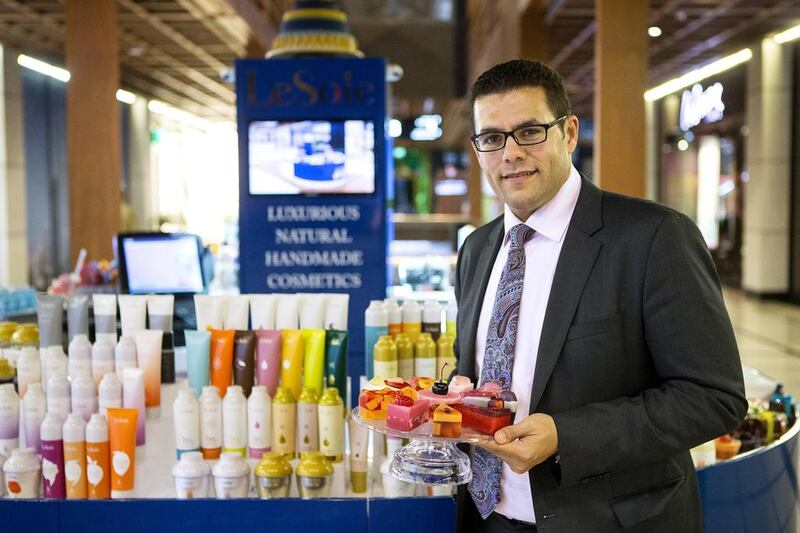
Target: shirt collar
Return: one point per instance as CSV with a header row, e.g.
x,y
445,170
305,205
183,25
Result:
x,y
552,219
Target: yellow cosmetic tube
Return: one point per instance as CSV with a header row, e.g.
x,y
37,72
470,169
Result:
x,y
313,359
292,361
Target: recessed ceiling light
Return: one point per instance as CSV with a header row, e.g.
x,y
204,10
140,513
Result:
x,y
654,31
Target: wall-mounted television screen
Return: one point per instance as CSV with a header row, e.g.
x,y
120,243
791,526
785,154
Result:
x,y
312,157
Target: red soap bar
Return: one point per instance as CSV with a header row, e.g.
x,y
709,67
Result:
x,y
406,418
484,420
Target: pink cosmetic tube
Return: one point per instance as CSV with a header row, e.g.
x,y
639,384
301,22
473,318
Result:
x,y
268,359
133,398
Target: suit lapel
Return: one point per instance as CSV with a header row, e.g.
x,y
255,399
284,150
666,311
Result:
x,y
578,255
483,271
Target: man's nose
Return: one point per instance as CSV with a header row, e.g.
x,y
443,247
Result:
x,y
512,151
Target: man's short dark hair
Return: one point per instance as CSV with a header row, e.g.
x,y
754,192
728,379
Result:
x,y
517,74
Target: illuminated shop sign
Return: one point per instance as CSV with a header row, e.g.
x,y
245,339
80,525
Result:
x,y
698,105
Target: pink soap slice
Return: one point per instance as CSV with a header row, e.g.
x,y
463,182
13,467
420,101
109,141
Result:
x,y
406,418
461,384
436,399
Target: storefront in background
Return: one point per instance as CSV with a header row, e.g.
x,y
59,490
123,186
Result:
x,y
702,135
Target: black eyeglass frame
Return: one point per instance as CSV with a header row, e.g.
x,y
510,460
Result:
x,y
507,134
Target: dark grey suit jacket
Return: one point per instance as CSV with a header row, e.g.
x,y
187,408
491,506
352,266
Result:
x,y
637,363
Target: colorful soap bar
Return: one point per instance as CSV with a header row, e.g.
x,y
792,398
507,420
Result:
x,y
461,384
405,414
374,405
435,399
482,419
446,422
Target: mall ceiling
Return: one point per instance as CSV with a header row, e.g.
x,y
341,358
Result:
x,y
175,50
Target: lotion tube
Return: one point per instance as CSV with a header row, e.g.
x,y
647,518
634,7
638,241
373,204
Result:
x,y
336,312
75,456
84,397
244,360
292,361
236,312
186,420
50,314
314,359
79,362
287,312
102,358
9,420
109,393
210,423
98,461
148,350
29,369
132,313
268,359
77,316
58,391
359,437
198,359
105,316
312,310
122,425
262,311
222,359
53,482
259,422
208,311
133,399
234,421
336,360
125,355
160,310
34,409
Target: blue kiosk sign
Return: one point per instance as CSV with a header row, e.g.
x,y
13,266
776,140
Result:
x,y
313,181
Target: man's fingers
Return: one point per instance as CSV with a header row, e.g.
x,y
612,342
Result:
x,y
512,433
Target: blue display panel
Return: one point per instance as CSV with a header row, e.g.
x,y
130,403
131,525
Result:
x,y
313,181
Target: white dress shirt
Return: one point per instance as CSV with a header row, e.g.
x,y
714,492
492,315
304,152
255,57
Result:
x,y
550,224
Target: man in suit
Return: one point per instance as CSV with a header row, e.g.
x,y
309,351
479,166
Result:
x,y
603,314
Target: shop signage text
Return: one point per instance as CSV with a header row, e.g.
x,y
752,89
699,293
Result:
x,y
698,105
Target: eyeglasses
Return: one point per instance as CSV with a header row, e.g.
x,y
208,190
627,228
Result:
x,y
524,136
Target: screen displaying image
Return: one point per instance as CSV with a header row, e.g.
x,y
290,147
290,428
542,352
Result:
x,y
163,265
312,157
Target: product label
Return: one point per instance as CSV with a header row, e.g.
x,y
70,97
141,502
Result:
x,y
9,418
187,428
387,369
405,368
189,488
22,484
231,487
79,367
283,429
52,457
74,469
211,426
96,469
307,427
425,367
331,430
234,428
258,432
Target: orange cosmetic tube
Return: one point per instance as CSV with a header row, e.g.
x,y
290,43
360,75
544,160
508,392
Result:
x,y
292,361
222,359
122,446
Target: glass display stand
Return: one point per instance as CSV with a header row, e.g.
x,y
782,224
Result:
x,y
426,459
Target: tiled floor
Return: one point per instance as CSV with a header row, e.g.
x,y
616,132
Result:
x,y
768,334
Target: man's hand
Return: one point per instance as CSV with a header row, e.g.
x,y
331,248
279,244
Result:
x,y
525,445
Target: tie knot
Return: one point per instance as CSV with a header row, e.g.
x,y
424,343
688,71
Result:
x,y
519,235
